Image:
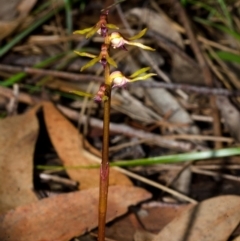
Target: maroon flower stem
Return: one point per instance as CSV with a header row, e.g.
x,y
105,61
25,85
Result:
x,y
104,168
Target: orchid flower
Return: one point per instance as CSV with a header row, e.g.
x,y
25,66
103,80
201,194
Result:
x,y
117,40
98,97
103,58
101,27
119,80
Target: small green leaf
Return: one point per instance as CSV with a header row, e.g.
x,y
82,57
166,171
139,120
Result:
x,y
144,77
90,63
85,54
111,61
140,71
139,35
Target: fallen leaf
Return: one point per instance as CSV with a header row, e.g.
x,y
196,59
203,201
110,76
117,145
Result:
x,y
213,219
143,236
18,135
66,216
156,215
68,144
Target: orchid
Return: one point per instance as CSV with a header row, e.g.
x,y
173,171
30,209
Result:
x,y
98,97
119,80
103,58
101,27
114,79
117,40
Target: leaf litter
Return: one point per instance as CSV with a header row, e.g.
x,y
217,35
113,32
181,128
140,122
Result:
x,y
66,216
18,136
68,143
22,214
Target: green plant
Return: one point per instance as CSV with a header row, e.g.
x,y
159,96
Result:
x,y
112,79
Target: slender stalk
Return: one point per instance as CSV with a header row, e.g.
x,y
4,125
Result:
x,y
104,173
104,168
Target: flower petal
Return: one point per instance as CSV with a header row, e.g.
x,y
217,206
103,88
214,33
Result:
x,y
140,71
92,32
84,54
139,35
83,31
142,46
111,61
90,63
144,77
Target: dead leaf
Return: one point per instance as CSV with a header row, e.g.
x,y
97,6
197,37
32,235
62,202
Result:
x,y
66,216
213,219
156,215
143,235
68,144
18,135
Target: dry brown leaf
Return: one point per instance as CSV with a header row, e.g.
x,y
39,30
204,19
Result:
x,y
213,219
68,144
18,135
65,216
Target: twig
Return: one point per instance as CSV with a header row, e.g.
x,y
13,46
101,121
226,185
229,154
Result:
x,y
55,73
132,132
86,78
214,174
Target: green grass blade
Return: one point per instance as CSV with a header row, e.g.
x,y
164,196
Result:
x,y
69,23
180,157
176,158
219,26
229,57
226,13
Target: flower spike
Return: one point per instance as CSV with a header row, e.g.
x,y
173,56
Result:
x,y
117,40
